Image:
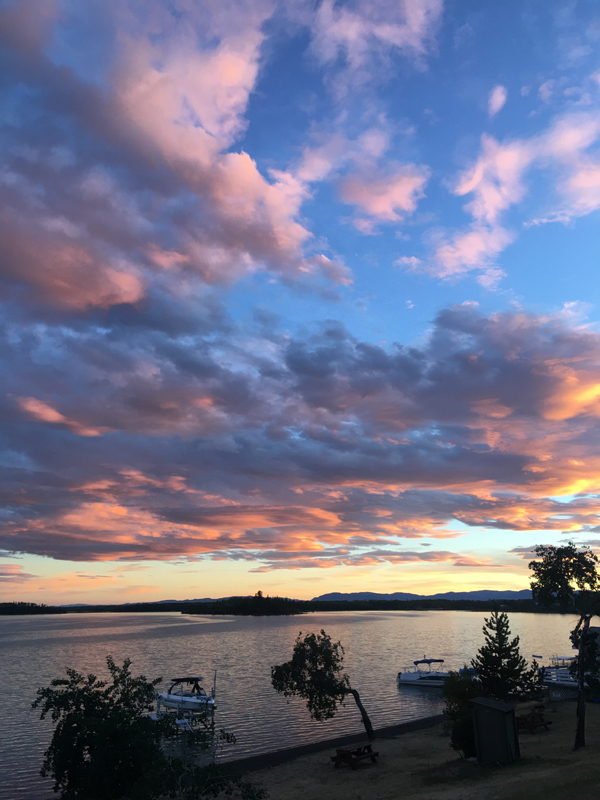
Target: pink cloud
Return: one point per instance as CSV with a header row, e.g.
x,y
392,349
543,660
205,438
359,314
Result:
x,y
474,249
45,413
335,150
496,100
496,178
13,573
71,274
167,116
386,197
374,558
583,188
496,182
191,108
365,29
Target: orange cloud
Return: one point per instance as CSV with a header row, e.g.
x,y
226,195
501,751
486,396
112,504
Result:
x,y
13,573
45,413
339,449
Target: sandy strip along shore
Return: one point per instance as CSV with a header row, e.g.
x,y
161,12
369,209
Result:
x,y
277,757
417,762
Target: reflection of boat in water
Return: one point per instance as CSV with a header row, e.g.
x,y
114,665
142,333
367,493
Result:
x,y
189,710
181,698
425,672
186,704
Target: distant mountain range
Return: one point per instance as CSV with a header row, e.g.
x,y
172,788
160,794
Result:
x,y
480,594
149,602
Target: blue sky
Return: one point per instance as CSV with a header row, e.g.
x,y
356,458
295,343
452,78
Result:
x,y
296,295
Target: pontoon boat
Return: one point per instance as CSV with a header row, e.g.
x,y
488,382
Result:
x,y
425,672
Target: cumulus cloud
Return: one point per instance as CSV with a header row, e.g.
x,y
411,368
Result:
x,y
567,149
140,441
128,169
124,167
476,248
45,413
496,100
380,188
385,197
362,35
139,421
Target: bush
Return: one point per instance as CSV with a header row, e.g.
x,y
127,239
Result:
x,y
459,689
104,747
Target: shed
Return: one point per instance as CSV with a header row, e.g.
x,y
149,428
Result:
x,y
496,738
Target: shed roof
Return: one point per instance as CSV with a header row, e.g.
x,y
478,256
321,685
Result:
x,y
499,705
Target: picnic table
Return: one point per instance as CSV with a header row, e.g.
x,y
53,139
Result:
x,y
533,720
354,753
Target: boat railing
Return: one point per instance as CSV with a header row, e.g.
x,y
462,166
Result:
x,y
558,675
429,669
561,662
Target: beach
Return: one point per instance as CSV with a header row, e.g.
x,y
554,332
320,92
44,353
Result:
x,y
421,764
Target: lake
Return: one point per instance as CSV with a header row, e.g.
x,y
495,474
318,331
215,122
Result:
x,y
34,650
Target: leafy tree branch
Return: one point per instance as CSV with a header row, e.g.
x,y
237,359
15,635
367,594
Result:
x,y
315,673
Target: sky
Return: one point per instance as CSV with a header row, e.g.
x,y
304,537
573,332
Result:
x,y
296,295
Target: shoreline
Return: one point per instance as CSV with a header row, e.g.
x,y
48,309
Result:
x,y
423,766
276,758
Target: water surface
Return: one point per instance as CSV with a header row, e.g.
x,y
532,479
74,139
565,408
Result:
x,y
34,650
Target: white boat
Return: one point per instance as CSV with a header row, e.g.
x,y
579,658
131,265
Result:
x,y
559,672
181,698
425,672
557,678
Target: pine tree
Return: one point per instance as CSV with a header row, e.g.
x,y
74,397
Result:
x,y
499,665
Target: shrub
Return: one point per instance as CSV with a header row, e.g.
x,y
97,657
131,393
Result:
x,y
459,689
105,747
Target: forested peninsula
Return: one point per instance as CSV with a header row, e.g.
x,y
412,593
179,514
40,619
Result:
x,y
277,606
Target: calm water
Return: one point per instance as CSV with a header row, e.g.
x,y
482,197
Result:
x,y
33,650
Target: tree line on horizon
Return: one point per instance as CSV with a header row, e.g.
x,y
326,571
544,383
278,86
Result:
x,y
282,606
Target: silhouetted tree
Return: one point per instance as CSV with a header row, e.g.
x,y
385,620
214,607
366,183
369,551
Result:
x,y
499,665
459,689
567,576
104,746
315,674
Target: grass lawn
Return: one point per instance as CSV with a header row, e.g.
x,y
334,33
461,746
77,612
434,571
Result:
x,y
422,766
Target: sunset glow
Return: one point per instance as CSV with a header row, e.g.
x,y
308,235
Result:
x,y
297,295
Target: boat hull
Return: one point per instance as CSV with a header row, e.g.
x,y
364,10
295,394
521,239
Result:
x,y
183,703
435,681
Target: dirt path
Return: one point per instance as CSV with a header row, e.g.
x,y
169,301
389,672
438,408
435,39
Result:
x,y
421,765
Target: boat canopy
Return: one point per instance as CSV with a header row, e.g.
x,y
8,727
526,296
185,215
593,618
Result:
x,y
193,682
429,661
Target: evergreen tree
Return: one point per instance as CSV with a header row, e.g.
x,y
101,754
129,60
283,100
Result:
x,y
499,664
